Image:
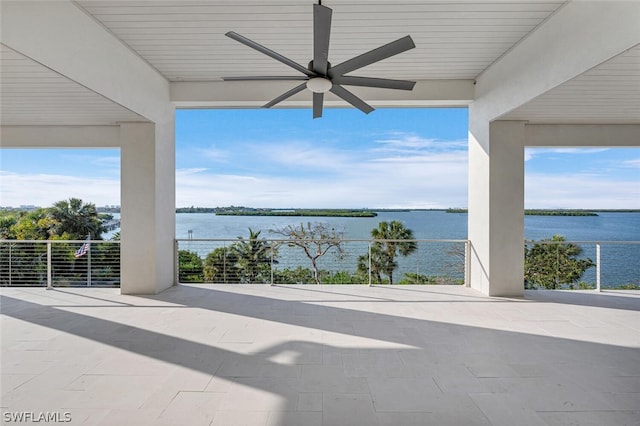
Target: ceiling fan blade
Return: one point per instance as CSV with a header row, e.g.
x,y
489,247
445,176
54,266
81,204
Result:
x,y
317,104
351,98
265,78
260,48
383,83
286,95
401,45
321,33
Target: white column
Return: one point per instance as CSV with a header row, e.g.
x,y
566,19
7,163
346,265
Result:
x,y
496,206
147,207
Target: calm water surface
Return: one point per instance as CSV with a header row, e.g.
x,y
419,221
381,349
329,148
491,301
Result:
x,y
620,263
425,225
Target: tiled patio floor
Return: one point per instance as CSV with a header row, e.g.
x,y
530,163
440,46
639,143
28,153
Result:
x,y
321,355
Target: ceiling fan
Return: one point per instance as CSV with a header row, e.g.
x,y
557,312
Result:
x,y
320,76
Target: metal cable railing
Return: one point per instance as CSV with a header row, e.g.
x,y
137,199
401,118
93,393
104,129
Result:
x,y
352,262
584,265
562,265
59,263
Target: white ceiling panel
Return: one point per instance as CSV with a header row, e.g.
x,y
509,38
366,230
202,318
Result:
x,y
608,93
34,94
185,40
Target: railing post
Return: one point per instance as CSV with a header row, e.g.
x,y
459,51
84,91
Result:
x,y
417,262
176,261
271,267
10,266
557,282
49,272
467,263
89,265
369,263
598,267
224,263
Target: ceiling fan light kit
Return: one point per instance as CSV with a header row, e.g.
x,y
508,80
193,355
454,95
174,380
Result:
x,y
320,76
319,84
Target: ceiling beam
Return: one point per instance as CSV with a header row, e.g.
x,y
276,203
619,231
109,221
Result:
x,y
579,36
254,94
60,136
63,37
582,135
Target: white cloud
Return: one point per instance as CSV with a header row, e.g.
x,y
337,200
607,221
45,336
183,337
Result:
x,y
530,152
214,154
580,191
299,155
572,151
398,171
411,144
45,189
425,181
191,171
401,171
634,163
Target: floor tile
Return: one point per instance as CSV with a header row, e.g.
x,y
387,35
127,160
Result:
x,y
331,355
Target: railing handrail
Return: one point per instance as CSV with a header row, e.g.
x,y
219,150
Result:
x,y
417,240
547,241
348,240
61,241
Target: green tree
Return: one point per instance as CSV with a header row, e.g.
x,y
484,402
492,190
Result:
x,y
299,275
315,239
7,222
190,267
414,278
220,266
340,277
550,263
253,257
392,238
76,219
33,225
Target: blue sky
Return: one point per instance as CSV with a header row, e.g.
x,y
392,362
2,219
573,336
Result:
x,y
393,158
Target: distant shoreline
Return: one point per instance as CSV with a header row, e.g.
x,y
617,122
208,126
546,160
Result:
x,y
250,211
556,212
365,212
296,212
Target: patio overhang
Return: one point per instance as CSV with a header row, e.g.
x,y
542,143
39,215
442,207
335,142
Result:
x,y
531,73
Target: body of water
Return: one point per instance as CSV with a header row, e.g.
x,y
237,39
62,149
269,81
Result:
x,y
425,225
620,263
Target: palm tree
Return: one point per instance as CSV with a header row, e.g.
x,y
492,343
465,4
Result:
x,y
76,219
389,238
379,259
220,266
252,256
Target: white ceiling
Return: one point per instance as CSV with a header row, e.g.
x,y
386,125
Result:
x,y
33,94
184,40
607,93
